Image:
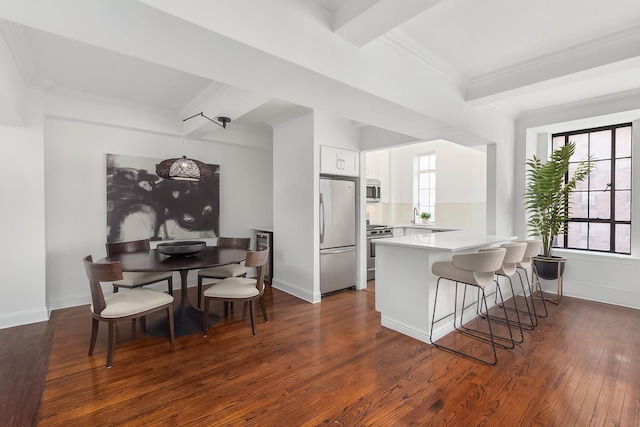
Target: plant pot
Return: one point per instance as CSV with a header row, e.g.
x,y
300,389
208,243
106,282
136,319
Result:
x,y
547,268
425,221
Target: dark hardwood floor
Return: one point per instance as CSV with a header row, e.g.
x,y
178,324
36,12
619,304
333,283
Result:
x,y
324,364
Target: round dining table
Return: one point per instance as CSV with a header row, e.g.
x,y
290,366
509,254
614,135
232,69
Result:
x,y
187,319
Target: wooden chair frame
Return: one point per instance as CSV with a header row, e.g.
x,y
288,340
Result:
x,y
107,272
143,245
257,259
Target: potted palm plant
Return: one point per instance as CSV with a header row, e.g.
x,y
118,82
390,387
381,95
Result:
x,y
547,201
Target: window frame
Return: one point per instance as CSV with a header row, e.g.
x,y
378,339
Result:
x,y
562,242
431,207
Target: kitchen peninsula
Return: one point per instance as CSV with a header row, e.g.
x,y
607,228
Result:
x,y
405,286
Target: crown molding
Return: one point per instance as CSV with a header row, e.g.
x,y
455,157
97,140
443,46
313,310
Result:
x,y
289,115
628,36
111,101
14,37
506,108
407,45
204,97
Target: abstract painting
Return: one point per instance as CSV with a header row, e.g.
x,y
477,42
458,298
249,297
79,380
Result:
x,y
142,205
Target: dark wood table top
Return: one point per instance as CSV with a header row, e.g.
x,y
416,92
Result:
x,y
153,260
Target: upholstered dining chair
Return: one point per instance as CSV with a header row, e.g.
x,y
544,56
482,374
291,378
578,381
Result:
x,y
476,269
240,289
112,308
224,271
134,279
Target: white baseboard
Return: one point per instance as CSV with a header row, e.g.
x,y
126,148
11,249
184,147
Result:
x,y
296,291
24,317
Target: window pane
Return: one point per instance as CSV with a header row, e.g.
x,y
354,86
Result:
x,y
600,177
432,162
623,174
424,180
599,238
424,163
623,206
558,241
424,197
582,147
623,238
579,204
600,144
600,204
623,142
557,142
578,233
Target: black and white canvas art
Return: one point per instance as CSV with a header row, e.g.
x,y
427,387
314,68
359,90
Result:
x,y
142,205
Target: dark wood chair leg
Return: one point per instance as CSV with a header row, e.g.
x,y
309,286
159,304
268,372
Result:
x,y
115,289
171,327
264,310
170,285
205,317
253,315
199,291
112,343
94,336
143,323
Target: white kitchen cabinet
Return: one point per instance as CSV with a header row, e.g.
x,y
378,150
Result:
x,y
378,168
398,231
411,231
339,161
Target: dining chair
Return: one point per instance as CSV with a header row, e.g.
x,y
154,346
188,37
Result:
x,y
111,308
135,279
476,269
240,289
224,271
533,249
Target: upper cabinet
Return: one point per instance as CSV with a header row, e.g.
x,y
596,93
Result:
x,y
378,168
339,161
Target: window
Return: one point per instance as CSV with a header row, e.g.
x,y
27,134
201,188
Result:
x,y
601,204
427,184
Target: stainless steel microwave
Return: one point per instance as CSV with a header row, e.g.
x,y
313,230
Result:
x,y
373,190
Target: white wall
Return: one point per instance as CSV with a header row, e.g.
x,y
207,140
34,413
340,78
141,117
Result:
x,y
22,276
75,165
294,215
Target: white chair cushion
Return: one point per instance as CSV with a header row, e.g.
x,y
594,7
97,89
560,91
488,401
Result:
x,y
135,301
233,287
230,270
130,278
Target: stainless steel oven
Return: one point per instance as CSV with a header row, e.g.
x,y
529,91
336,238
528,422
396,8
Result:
x,y
375,232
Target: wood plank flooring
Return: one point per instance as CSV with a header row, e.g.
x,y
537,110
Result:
x,y
319,365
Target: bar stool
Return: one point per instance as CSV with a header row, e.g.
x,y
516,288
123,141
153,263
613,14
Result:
x,y
514,254
475,269
533,248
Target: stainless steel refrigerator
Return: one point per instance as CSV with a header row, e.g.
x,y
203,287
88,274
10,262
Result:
x,y
337,235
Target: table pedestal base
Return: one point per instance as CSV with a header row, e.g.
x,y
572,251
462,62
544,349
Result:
x,y
187,320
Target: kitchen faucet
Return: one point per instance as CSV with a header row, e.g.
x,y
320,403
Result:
x,y
415,214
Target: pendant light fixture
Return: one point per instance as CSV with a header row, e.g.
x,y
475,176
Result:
x,y
184,169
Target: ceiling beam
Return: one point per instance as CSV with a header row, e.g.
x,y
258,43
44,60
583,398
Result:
x,y
361,21
591,59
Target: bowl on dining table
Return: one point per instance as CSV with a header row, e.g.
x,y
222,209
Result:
x,y
184,248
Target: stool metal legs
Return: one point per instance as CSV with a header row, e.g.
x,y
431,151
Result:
x,y
489,337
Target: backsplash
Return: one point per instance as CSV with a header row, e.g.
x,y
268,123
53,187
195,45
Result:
x,y
455,215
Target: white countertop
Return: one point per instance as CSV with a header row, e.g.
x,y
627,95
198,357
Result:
x,y
449,241
267,228
430,226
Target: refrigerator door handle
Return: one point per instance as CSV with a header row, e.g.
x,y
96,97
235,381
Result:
x,y
321,218
337,251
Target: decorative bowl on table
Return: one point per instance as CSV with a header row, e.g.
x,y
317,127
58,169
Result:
x,y
186,248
